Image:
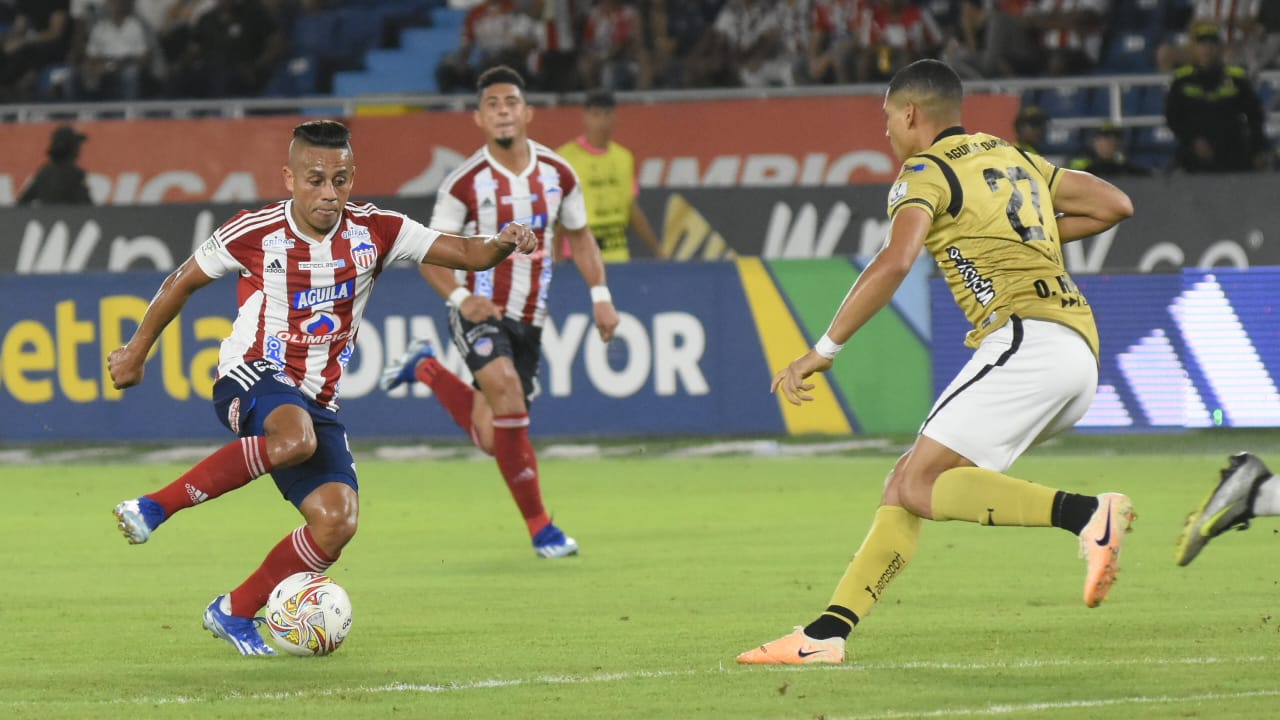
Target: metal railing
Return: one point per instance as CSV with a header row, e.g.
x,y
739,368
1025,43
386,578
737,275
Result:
x,y
1115,86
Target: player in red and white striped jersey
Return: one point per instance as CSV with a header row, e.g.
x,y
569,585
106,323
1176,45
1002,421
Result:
x,y
496,316
305,269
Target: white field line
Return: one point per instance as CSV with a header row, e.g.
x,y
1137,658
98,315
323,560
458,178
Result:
x,y
450,687
1009,709
423,452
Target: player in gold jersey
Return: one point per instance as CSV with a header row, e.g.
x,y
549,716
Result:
x,y
994,219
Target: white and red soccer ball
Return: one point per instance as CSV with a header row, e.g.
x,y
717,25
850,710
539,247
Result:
x,y
308,614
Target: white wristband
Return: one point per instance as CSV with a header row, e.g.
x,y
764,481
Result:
x,y
459,294
827,348
600,293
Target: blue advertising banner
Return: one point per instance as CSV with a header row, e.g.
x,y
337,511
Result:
x,y
1196,349
687,359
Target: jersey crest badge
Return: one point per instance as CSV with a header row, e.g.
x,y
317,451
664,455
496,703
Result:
x,y
364,255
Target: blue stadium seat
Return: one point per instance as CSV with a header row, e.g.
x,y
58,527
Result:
x,y
448,18
1131,100
316,34
429,42
1128,52
358,30
294,77
1067,102
1142,16
1065,143
1152,101
54,83
1149,140
390,79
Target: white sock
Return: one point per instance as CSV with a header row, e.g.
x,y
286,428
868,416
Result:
x,y
1268,500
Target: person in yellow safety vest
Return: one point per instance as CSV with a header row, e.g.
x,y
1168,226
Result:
x,y
607,172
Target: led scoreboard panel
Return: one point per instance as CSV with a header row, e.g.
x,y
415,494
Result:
x,y
1196,349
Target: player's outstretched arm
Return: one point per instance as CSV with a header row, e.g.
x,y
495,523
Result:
x,y
870,292
477,252
475,308
1089,205
586,255
125,364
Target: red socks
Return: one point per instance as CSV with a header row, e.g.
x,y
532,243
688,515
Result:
x,y
297,552
519,467
511,446
232,466
455,395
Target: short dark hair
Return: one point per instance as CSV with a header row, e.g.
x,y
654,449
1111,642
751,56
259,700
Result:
x,y
599,99
323,133
929,77
499,74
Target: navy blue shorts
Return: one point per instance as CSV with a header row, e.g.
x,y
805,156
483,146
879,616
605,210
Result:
x,y
483,342
246,395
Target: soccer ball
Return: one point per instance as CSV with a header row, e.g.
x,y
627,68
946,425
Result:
x,y
308,614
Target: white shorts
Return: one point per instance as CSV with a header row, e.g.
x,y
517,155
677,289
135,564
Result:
x,y
1026,382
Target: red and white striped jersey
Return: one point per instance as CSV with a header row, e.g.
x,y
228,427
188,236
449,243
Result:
x,y
1085,39
481,197
301,300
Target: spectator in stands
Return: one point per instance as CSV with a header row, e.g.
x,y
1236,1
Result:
x,y
1234,19
837,39
61,181
1214,112
997,40
900,33
1070,33
154,12
677,27
558,43
224,48
1262,49
743,47
607,172
494,33
613,56
795,17
1105,158
82,14
1004,38
40,36
116,56
174,34
1029,128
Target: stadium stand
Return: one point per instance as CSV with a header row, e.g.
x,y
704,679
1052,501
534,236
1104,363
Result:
x,y
341,53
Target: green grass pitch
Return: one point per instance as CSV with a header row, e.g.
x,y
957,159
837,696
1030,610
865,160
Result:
x,y
685,562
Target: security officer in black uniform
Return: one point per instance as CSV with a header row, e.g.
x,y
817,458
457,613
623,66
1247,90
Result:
x,y
1214,111
1106,158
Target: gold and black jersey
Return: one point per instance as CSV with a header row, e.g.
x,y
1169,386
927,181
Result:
x,y
994,236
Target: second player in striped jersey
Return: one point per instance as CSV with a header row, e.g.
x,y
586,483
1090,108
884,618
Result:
x,y
496,316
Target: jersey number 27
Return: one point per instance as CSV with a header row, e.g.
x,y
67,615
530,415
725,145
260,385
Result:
x,y
1013,209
